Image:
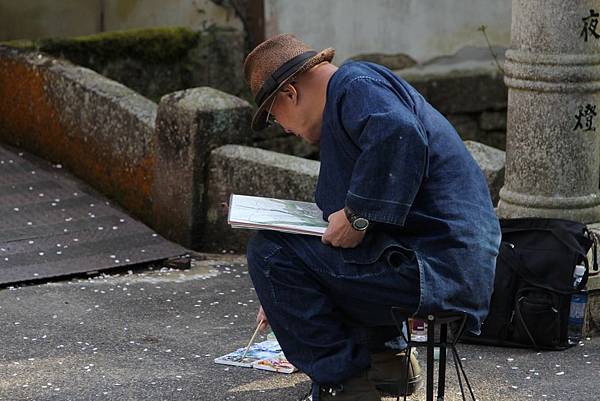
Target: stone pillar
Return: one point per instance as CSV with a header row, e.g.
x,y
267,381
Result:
x,y
553,75
189,125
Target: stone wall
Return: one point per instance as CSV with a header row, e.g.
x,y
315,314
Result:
x,y
166,164
468,88
118,141
422,28
50,18
97,128
156,61
250,171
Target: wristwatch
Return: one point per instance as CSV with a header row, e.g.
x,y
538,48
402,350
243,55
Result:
x,y
357,222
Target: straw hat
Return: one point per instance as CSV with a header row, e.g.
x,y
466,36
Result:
x,y
274,63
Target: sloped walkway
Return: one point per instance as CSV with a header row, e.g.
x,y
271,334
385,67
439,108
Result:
x,y
52,224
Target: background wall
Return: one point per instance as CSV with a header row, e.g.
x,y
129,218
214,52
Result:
x,y
421,28
34,19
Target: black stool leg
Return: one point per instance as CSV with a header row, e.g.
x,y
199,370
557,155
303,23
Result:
x,y
442,362
458,364
430,361
461,370
443,344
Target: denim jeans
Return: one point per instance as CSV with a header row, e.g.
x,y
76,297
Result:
x,y
328,315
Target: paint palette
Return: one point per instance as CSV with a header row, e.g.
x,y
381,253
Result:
x,y
266,355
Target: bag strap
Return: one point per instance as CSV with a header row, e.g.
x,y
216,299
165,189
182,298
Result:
x,y
523,323
594,237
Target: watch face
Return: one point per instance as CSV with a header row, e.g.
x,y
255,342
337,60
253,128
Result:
x,y
360,224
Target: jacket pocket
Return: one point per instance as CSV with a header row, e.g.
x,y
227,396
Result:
x,y
376,247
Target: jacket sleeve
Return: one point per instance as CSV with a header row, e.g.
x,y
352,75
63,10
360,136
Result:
x,y
393,151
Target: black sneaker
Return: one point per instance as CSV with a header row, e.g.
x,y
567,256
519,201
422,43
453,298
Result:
x,y
355,389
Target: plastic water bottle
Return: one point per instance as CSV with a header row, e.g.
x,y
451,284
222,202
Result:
x,y
578,302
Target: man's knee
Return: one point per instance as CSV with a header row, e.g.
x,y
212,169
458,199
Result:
x,y
260,248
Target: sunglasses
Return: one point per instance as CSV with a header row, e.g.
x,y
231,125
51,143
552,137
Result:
x,y
270,117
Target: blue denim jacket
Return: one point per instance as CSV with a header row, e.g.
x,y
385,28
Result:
x,y
395,160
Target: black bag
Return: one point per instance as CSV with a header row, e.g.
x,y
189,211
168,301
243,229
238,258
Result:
x,y
534,283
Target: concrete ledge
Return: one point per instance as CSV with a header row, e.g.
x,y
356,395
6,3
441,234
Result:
x,y
251,171
97,128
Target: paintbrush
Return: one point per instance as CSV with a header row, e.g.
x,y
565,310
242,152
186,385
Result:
x,y
251,340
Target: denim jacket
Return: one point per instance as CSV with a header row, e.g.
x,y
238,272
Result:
x,y
395,160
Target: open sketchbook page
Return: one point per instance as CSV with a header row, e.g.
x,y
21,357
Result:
x,y
278,363
266,355
275,214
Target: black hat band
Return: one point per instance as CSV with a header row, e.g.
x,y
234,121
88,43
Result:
x,y
281,74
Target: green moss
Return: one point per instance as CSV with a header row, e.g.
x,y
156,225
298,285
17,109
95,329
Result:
x,y
151,45
20,43
156,61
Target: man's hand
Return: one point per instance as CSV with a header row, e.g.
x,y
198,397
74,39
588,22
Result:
x,y
340,233
261,317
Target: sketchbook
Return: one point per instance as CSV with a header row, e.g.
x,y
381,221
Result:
x,y
290,216
266,355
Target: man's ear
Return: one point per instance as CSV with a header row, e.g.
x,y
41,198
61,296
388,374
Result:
x,y
291,93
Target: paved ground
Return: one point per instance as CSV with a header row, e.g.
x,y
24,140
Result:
x,y
152,335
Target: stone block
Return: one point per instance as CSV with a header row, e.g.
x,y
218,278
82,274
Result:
x,y
495,139
460,92
466,82
465,125
493,120
290,145
469,129
250,171
492,162
189,125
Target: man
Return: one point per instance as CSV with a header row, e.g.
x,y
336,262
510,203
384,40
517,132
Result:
x,y
411,223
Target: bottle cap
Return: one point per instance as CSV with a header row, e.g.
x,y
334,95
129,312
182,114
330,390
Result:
x,y
579,270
